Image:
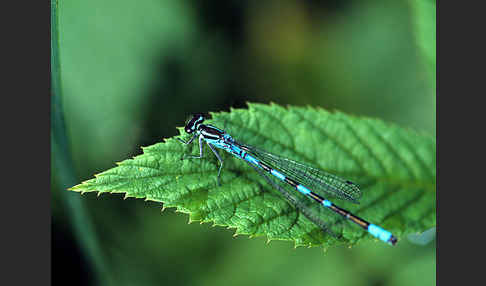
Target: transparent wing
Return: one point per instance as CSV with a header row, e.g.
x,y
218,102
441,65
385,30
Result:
x,y
316,180
312,211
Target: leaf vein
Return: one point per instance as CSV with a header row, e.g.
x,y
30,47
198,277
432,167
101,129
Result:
x,y
285,129
391,149
333,140
366,146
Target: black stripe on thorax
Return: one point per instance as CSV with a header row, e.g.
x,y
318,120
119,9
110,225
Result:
x,y
209,132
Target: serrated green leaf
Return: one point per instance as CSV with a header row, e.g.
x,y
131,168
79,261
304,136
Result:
x,y
395,167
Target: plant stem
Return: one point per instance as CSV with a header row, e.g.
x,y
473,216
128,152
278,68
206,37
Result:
x,y
63,164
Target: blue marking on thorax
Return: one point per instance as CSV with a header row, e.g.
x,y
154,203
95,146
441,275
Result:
x,y
378,232
217,143
303,190
278,174
326,203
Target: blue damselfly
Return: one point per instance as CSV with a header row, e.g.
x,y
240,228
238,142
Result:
x,y
305,179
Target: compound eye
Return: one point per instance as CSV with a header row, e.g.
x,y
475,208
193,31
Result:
x,y
193,123
189,129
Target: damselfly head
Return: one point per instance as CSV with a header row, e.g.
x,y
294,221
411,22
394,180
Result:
x,y
193,122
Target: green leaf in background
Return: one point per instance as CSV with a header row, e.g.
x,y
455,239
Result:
x,y
395,167
424,19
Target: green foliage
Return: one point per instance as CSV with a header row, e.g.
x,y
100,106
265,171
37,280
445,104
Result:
x,y
424,19
395,168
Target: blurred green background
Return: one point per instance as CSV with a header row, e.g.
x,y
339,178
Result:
x,y
131,71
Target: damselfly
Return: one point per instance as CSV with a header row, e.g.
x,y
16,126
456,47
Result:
x,y
305,179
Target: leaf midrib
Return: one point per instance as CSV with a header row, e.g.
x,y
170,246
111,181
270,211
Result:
x,y
402,182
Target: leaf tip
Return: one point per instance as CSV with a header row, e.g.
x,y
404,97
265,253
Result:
x,y
76,188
